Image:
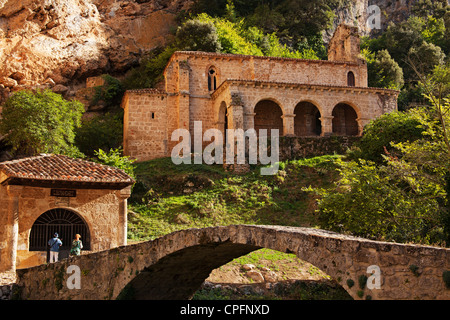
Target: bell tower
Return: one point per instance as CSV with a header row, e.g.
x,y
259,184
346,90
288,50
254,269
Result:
x,y
345,44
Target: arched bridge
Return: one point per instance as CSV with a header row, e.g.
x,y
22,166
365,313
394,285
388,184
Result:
x,y
174,266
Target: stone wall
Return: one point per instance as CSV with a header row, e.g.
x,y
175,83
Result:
x,y
175,265
228,66
305,147
145,124
187,100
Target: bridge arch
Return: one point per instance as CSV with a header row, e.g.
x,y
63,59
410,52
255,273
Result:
x,y
174,266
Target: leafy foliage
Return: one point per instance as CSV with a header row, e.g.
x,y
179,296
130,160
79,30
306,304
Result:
x,y
296,23
115,158
150,71
237,38
383,71
36,122
405,197
418,44
394,127
110,92
103,132
212,34
198,35
390,202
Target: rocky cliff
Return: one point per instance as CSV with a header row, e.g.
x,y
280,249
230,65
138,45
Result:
x,y
355,12
54,43
58,43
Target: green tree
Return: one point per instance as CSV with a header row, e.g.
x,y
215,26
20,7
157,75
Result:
x,y
426,8
395,201
36,122
425,58
384,72
150,70
102,132
197,35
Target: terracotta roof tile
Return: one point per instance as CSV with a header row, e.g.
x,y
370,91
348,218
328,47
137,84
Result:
x,y
51,167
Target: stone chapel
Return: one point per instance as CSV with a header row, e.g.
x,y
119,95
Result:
x,y
227,91
50,193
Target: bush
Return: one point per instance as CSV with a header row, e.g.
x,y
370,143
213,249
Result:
x,y
110,92
115,158
102,132
390,128
384,72
36,122
150,71
392,202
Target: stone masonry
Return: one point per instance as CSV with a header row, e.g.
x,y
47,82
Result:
x,y
226,91
175,265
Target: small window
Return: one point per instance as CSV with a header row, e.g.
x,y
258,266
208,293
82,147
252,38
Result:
x,y
351,79
212,80
153,115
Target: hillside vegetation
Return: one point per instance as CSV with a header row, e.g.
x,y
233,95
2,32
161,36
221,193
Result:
x,y
168,197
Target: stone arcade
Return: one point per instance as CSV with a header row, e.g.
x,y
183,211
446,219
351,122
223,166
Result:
x,y
303,98
53,193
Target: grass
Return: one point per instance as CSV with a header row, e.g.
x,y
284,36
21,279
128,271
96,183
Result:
x,y
170,197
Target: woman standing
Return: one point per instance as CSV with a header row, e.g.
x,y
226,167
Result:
x,y
77,245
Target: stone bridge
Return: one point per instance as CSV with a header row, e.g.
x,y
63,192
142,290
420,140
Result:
x,y
175,265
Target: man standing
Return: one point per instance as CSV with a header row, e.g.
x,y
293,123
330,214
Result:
x,y
54,244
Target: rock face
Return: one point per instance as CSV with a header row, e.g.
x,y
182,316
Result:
x,y
355,12
56,42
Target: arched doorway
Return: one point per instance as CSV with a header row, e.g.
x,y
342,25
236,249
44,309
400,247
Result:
x,y
66,223
344,120
268,115
307,120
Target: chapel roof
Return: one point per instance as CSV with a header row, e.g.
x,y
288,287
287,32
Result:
x,y
53,170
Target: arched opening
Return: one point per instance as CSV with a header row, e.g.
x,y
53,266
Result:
x,y
344,120
65,222
165,280
212,79
270,274
307,120
351,79
268,115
